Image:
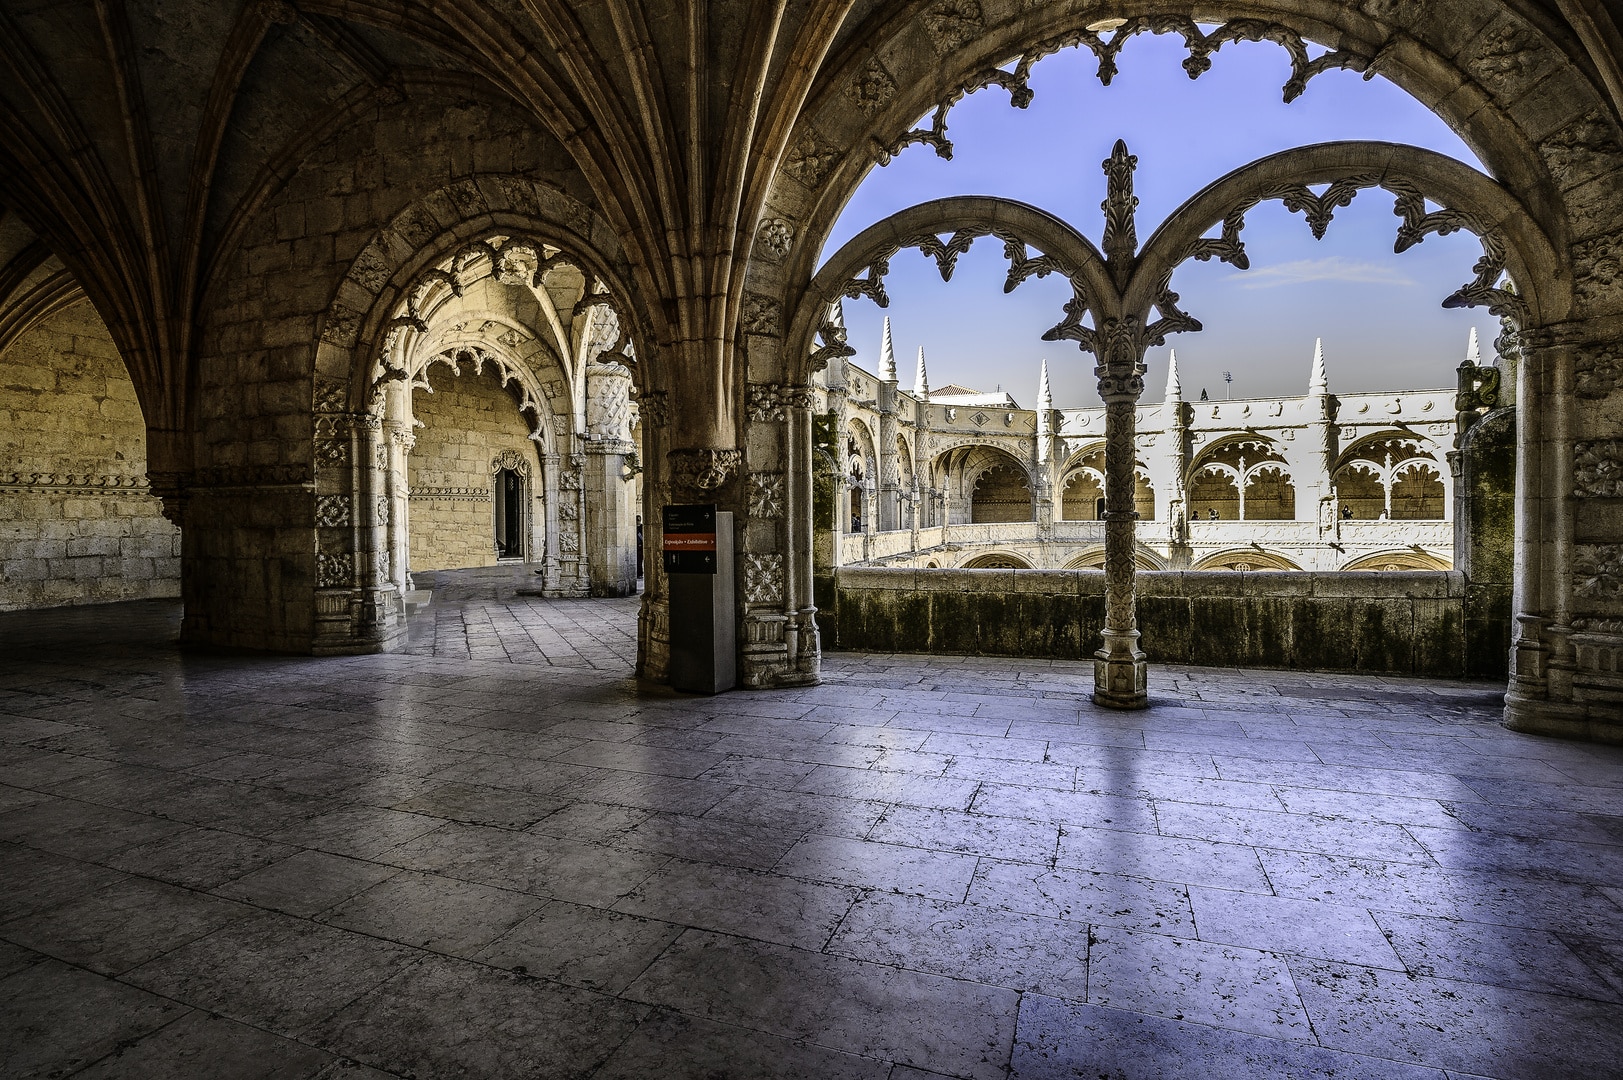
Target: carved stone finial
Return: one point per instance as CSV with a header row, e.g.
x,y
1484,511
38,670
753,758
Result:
x,y
921,379
887,355
1174,387
1318,383
1473,351
1121,232
1045,394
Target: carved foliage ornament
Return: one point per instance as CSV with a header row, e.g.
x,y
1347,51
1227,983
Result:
x,y
762,314
765,495
334,571
766,402
812,159
1599,372
1598,469
705,470
1597,571
332,511
763,579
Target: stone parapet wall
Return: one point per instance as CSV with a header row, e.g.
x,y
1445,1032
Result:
x,y
77,523
1391,622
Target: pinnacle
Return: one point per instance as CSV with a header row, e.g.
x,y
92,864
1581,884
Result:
x,y
921,379
1473,351
1174,387
1045,395
887,355
1319,381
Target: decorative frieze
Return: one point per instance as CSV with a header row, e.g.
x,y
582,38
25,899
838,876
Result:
x,y
1598,469
78,483
765,495
454,494
763,579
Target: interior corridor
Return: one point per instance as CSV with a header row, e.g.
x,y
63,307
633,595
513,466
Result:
x,y
445,863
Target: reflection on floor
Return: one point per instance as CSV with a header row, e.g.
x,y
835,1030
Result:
x,y
450,864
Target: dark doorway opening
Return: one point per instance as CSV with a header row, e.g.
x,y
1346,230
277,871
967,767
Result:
x,y
509,515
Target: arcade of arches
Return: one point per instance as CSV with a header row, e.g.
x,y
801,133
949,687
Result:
x,y
303,301
276,267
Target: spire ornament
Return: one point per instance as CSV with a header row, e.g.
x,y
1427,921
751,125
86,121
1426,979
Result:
x,y
1174,387
1318,383
887,355
921,379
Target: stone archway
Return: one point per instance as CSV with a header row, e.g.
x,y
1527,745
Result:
x,y
1547,156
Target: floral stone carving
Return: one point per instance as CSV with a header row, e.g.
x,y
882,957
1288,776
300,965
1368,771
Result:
x,y
1599,372
776,237
763,579
765,499
703,471
1597,571
1598,469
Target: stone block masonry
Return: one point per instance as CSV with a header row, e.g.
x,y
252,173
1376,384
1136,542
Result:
x,y
77,522
467,421
1406,623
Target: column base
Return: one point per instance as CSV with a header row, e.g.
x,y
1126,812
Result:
x,y
1120,674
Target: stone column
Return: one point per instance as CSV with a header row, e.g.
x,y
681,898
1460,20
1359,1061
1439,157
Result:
x,y
610,535
1119,672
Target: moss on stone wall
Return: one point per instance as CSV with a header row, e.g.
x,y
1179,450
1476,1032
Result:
x,y
1400,623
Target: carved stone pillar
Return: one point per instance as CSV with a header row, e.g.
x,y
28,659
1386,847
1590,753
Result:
x,y
1120,674
610,530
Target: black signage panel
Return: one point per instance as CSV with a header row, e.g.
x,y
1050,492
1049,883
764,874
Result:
x,y
690,539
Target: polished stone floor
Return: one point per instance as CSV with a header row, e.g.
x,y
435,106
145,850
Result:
x,y
498,856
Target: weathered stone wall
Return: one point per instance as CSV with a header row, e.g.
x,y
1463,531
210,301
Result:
x,y
1486,544
467,421
252,567
1400,623
77,525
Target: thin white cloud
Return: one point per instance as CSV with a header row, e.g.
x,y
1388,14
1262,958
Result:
x,y
1331,268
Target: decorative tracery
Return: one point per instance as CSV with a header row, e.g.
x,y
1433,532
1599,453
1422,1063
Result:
x,y
1106,44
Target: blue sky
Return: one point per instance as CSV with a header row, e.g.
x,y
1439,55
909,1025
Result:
x,y
1379,313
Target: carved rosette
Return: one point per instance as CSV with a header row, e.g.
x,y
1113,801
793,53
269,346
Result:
x,y
763,579
335,571
703,472
332,511
765,495
953,24
873,89
776,238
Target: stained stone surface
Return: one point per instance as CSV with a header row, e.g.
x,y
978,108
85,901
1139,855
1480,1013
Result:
x,y
499,855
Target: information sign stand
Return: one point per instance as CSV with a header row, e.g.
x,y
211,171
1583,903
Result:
x,y
698,560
